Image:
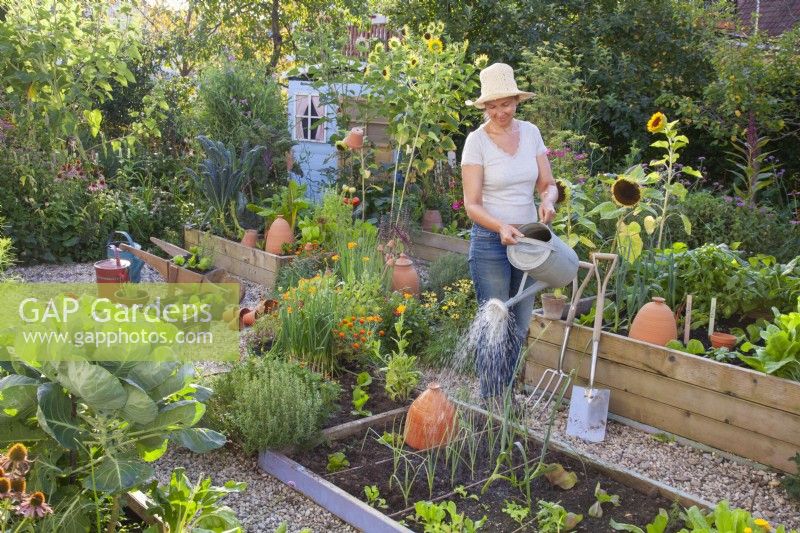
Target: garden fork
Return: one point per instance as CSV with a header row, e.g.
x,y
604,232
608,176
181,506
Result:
x,y
551,380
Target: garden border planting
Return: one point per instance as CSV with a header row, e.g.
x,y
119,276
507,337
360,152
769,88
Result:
x,y
734,409
430,246
360,515
251,264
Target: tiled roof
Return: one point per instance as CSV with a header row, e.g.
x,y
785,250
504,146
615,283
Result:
x,y
776,16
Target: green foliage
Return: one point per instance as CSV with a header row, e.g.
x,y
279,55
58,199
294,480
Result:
x,y
694,346
722,518
305,266
448,318
240,105
601,497
434,518
196,260
445,270
268,403
719,219
337,461
221,179
753,169
402,375
184,506
658,525
791,482
553,518
780,354
374,497
289,202
517,512
360,396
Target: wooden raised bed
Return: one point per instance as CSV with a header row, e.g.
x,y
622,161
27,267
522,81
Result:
x,y
730,408
251,264
430,246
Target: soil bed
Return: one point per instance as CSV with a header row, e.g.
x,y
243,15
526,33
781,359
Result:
x,y
372,463
379,401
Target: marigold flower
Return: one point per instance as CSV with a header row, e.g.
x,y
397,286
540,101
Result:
x,y
435,45
361,332
407,295
381,333
400,309
361,320
625,192
760,522
35,506
351,245
356,346
289,310
335,258
341,334
657,122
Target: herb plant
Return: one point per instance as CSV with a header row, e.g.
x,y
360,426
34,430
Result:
x,y
658,525
780,354
401,373
434,518
553,518
517,512
374,497
360,396
596,510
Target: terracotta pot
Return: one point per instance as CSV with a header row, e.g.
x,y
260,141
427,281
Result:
x,y
279,233
722,340
250,238
431,419
246,317
431,219
355,138
553,306
404,275
654,323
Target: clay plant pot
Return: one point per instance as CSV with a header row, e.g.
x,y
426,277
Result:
x,y
355,138
553,306
431,419
432,220
654,323
247,317
404,275
140,298
279,233
250,238
722,340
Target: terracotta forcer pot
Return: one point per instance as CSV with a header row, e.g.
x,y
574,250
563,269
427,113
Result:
x,y
654,323
250,238
404,275
722,340
431,419
280,233
355,138
432,219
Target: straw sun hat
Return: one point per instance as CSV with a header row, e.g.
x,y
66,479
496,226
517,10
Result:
x,y
497,81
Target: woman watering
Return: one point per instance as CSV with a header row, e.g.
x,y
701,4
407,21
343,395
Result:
x,y
503,161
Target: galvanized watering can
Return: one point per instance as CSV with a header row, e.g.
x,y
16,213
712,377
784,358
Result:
x,y
541,255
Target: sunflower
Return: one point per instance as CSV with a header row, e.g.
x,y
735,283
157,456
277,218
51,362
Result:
x,y
657,122
563,191
341,146
481,61
625,192
394,43
427,36
386,72
435,45
413,61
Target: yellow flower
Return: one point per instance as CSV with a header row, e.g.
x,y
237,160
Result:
x,y
760,522
481,61
400,309
386,73
657,122
335,258
413,61
394,43
435,45
289,310
407,295
351,245
563,190
365,258
748,530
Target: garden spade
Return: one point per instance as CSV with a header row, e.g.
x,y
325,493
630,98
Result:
x,y
588,407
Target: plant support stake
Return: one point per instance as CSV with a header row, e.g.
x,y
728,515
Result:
x,y
711,315
687,323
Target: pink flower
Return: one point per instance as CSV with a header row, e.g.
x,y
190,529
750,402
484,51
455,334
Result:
x,y
35,506
457,205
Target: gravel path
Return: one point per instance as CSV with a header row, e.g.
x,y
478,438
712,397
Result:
x,y
267,502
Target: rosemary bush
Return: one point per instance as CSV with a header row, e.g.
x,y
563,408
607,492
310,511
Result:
x,y
446,270
269,403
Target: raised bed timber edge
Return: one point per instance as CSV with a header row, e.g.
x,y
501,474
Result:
x,y
738,410
251,264
360,515
430,246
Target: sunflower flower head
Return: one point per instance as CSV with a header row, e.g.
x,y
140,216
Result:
x,y
386,72
481,60
341,146
394,43
563,191
413,61
625,192
435,45
657,122
427,36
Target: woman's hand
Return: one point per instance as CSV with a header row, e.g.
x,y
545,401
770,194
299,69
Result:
x,y
509,234
547,212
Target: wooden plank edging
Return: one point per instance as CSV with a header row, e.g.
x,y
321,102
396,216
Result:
x,y
430,246
354,426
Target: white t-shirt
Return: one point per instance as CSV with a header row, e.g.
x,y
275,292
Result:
x,y
508,180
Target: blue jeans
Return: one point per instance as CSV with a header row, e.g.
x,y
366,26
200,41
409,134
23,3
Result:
x,y
494,277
